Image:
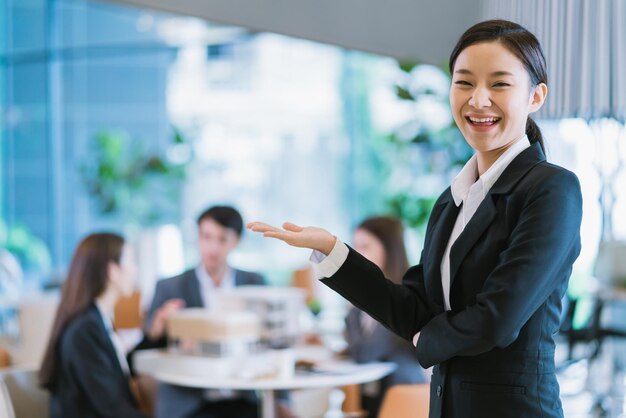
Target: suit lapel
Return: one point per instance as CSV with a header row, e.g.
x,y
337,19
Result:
x,y
111,352
484,215
486,212
444,215
192,290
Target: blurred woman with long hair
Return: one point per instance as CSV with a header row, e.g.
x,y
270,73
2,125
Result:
x,y
381,240
84,365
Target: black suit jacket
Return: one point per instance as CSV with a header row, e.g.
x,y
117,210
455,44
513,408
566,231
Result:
x,y
90,380
494,351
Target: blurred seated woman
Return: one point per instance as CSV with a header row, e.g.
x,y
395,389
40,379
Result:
x,y
381,240
84,365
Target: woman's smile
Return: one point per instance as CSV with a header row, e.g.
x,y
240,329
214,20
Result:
x,y
482,123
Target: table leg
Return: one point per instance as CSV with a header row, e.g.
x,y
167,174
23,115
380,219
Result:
x,y
267,404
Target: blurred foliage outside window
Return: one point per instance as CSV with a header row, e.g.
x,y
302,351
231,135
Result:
x,y
140,186
24,259
426,150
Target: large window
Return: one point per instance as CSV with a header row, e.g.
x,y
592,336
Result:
x,y
284,129
278,127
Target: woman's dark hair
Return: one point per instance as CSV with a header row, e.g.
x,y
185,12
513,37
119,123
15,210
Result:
x,y
227,216
390,232
521,43
86,280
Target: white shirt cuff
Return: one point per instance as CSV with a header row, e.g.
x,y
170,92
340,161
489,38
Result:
x,y
326,266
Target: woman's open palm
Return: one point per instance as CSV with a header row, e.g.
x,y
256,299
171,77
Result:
x,y
305,237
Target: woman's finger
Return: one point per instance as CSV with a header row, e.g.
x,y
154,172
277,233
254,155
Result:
x,y
292,227
261,227
283,236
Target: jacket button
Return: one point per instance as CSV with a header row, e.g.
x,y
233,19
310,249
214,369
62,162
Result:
x,y
439,391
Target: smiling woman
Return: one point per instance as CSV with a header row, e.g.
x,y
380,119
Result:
x,y
493,92
485,300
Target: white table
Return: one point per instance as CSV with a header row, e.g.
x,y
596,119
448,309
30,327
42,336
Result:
x,y
221,373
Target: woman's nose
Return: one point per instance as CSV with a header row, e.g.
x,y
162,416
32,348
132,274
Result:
x,y
480,98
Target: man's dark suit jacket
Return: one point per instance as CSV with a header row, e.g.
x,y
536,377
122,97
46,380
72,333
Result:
x,y
90,380
176,401
494,351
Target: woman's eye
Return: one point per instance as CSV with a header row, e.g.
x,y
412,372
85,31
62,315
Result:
x,y
462,83
501,84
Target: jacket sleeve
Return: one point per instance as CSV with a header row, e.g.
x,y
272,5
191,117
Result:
x,y
90,364
542,248
161,295
402,308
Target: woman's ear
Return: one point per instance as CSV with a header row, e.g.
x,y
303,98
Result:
x,y
537,97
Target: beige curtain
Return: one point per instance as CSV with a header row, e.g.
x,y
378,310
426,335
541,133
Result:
x,y
585,46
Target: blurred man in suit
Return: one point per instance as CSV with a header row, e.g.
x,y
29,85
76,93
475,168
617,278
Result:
x,y
219,232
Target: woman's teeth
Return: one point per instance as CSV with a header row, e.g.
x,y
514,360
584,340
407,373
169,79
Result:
x,y
483,120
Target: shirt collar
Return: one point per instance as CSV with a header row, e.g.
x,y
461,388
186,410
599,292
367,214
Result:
x,y
468,176
108,321
206,282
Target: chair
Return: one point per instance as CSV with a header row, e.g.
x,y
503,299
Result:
x,y
21,393
6,409
5,358
144,389
406,401
128,312
36,315
593,332
352,401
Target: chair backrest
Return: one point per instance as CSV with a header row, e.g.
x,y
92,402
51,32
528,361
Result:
x,y
128,312
6,407
5,358
26,398
36,316
406,401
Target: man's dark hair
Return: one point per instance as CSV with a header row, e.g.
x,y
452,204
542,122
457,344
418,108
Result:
x,y
227,216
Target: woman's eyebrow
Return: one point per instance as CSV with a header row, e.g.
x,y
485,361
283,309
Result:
x,y
501,73
494,74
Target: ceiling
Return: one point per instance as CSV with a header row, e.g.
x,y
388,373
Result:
x,y
417,29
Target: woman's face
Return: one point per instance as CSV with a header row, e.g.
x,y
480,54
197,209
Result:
x,y
491,96
370,247
124,274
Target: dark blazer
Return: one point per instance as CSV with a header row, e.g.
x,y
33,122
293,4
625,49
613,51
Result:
x,y
494,351
90,380
177,401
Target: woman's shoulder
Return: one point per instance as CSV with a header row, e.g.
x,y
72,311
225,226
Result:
x,y
84,327
546,174
547,168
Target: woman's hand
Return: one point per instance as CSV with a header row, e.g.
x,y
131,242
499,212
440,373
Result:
x,y
305,237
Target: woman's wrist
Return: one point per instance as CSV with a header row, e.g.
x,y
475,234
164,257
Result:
x,y
328,245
